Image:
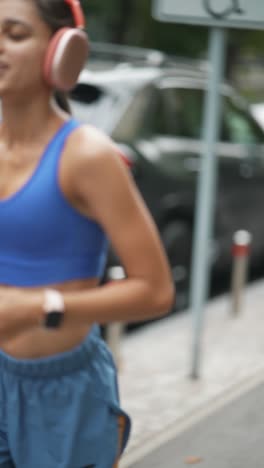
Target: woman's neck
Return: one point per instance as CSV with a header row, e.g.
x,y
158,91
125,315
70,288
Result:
x,y
25,120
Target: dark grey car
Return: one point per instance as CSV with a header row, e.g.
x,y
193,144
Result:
x,y
155,114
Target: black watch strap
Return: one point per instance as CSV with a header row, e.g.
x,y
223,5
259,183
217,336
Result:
x,y
53,307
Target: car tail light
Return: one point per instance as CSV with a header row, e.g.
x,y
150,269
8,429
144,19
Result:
x,y
127,155
126,160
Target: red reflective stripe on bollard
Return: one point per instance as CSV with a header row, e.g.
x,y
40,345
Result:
x,y
240,250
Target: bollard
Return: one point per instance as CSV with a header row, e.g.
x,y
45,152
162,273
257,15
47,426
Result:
x,y
240,252
114,330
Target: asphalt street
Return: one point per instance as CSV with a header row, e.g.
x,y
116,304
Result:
x,y
231,437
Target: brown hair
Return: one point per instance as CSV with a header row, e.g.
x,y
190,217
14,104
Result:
x,y
56,14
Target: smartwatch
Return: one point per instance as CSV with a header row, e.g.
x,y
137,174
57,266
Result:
x,y
53,307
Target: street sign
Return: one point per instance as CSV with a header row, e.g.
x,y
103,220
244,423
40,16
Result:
x,y
242,14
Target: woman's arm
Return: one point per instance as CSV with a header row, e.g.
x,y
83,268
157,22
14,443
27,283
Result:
x,y
106,192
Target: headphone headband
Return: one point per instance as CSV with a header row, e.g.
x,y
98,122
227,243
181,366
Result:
x,y
77,13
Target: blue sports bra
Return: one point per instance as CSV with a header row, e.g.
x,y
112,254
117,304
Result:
x,y
43,239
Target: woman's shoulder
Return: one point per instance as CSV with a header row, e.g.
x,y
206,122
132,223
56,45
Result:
x,y
87,140
89,147
92,162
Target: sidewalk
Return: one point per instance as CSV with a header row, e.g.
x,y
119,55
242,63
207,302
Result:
x,y
231,437
154,377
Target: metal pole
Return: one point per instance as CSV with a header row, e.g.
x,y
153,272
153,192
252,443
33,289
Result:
x,y
206,193
241,249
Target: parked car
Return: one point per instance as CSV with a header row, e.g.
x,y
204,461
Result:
x,y
257,110
152,106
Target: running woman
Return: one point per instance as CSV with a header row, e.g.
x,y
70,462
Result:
x,y
65,193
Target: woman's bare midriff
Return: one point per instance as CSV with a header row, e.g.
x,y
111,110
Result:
x,y
40,342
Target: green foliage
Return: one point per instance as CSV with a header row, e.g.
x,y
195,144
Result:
x,y
130,22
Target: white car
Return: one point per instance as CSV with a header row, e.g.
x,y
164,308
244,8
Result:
x,y
258,112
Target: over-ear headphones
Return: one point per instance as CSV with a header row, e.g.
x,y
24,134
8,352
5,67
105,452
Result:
x,y
67,52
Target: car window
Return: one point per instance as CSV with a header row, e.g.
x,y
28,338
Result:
x,y
93,104
135,121
179,112
86,93
238,127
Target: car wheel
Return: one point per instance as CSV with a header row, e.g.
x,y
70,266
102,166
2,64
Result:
x,y
177,240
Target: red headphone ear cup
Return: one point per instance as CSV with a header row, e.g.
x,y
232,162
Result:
x,y
65,57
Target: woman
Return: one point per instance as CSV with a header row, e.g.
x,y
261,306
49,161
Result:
x,y
64,193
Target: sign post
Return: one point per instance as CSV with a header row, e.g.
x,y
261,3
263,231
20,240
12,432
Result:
x,y
218,15
206,193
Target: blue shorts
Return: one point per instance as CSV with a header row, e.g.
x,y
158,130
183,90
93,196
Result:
x,y
62,411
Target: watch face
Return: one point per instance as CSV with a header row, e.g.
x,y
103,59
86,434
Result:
x,y
53,319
